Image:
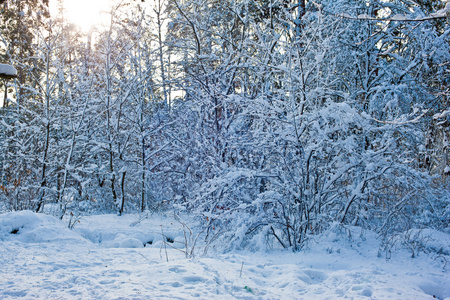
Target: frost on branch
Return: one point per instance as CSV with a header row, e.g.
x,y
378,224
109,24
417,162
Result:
x,y
440,14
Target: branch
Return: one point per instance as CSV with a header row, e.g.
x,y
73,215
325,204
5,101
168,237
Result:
x,y
440,14
400,122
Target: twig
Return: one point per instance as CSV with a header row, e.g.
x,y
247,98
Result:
x,y
143,256
165,245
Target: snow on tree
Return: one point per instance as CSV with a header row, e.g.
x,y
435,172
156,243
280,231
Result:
x,y
268,121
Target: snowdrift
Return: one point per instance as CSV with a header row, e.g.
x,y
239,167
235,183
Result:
x,y
29,227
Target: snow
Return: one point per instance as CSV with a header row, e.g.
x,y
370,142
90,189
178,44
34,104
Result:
x,y
443,114
364,16
104,257
442,13
8,70
399,17
27,227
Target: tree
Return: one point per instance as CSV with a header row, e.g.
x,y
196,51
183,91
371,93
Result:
x,y
326,146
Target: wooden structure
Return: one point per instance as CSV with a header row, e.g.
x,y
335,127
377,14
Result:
x,y
7,71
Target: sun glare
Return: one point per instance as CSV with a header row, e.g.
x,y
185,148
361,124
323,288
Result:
x,y
83,13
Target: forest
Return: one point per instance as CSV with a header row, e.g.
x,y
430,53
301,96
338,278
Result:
x,y
261,118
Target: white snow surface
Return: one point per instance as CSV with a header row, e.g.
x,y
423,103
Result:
x,y
104,257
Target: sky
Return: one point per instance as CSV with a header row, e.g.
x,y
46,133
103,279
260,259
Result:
x,y
84,13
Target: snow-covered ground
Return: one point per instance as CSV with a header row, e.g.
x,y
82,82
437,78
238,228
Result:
x,y
104,257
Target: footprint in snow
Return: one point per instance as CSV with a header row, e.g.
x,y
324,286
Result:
x,y
312,276
193,279
177,269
